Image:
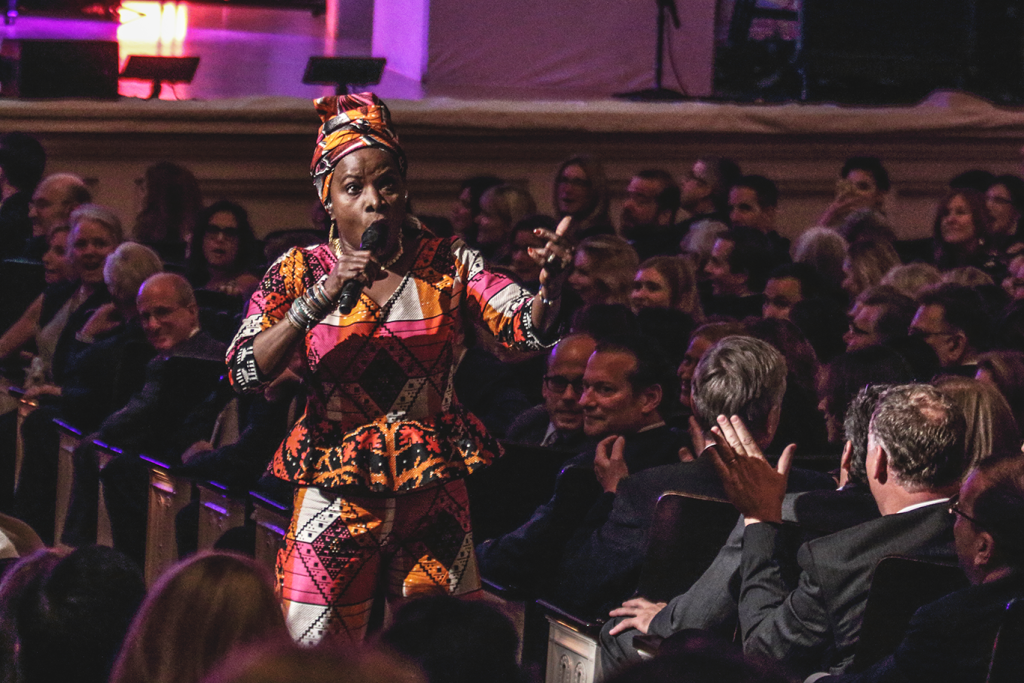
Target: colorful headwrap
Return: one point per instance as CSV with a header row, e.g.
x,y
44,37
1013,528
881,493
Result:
x,y
350,122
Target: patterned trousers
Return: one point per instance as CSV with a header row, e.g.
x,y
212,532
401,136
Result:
x,y
340,548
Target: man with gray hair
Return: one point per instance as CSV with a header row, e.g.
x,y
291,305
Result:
x,y
914,464
737,376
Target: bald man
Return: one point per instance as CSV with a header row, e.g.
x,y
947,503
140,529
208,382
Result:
x,y
52,203
558,422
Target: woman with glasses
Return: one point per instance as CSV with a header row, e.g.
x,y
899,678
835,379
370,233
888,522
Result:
x,y
581,192
223,249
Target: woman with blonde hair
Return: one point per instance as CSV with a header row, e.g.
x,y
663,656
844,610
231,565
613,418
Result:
x,y
603,270
198,612
501,207
912,278
667,282
991,427
867,262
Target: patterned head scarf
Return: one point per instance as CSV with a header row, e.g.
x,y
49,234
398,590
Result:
x,y
350,122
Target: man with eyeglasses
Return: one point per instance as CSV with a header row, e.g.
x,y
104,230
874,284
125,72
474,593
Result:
x,y
623,400
914,464
558,422
954,321
879,315
170,412
952,638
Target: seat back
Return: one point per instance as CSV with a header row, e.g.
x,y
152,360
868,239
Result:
x,y
70,438
1007,663
218,512
272,519
504,495
686,535
899,587
104,534
168,494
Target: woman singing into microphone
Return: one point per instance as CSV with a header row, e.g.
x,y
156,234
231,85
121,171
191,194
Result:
x,y
379,457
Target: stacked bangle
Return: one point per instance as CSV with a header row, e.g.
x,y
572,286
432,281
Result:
x,y
310,308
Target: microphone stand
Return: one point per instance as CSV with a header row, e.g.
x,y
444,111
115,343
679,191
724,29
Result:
x,y
658,93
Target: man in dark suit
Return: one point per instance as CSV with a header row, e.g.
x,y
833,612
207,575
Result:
x,y
177,406
952,638
914,464
712,602
623,398
955,322
558,422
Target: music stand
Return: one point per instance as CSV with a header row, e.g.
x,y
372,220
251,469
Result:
x,y
343,72
159,70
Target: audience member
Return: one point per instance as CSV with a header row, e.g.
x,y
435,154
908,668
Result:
x,y
800,421
603,270
625,391
222,250
171,202
754,203
73,618
968,276
824,250
1005,371
1004,203
168,414
501,208
954,320
914,464
849,373
974,179
581,191
788,285
961,224
737,271
57,270
737,375
952,638
991,426
879,315
702,339
866,264
52,203
467,206
648,215
455,641
823,321
198,612
666,282
864,184
22,161
705,192
911,279
558,422
106,363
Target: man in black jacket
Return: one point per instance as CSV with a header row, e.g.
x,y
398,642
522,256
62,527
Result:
x,y
624,394
914,464
952,638
712,602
